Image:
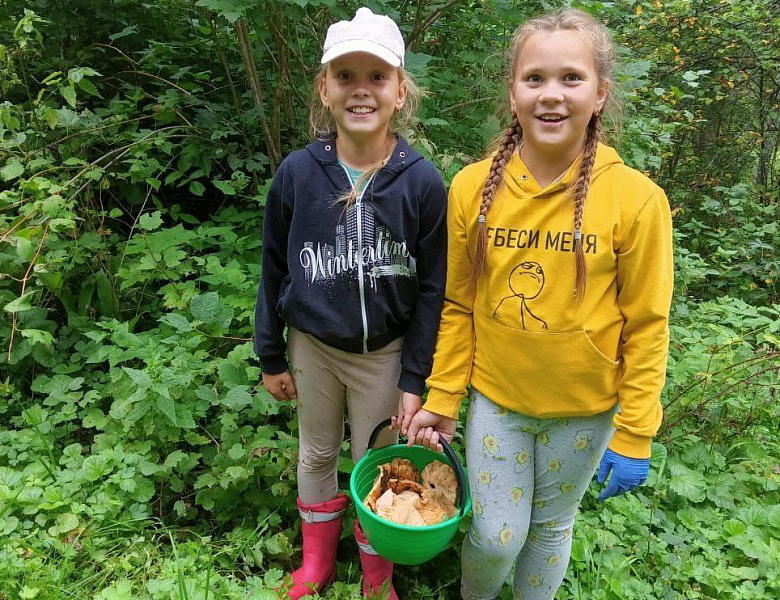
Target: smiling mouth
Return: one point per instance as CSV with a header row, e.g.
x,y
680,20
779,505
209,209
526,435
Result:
x,y
551,118
361,110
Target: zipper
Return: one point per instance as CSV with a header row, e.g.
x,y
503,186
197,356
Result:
x,y
361,283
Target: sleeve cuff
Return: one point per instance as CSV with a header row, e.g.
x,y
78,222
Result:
x,y
273,365
411,383
443,403
630,445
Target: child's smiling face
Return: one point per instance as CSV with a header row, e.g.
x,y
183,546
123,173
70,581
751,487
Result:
x,y
362,91
554,91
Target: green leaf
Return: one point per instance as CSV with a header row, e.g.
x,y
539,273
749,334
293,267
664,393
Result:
x,y
197,188
206,480
52,117
238,397
236,452
687,483
12,169
149,221
20,304
94,418
140,378
224,187
89,87
177,321
38,336
69,93
78,73
96,466
205,306
129,30
174,458
168,408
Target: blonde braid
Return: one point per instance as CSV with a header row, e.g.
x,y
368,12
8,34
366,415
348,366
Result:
x,y
509,142
580,191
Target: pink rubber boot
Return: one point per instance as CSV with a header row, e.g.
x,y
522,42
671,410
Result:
x,y
375,568
321,527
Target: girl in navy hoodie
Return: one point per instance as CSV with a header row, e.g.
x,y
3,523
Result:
x,y
354,261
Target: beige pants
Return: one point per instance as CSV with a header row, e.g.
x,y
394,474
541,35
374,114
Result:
x,y
326,379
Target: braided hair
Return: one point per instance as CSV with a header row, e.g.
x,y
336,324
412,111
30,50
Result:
x,y
509,141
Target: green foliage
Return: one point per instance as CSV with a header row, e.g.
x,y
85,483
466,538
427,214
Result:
x,y
139,456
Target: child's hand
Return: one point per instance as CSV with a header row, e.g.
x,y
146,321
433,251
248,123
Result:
x,y
426,428
627,473
281,387
408,405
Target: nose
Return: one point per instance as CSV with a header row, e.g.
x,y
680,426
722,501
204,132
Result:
x,y
360,90
551,93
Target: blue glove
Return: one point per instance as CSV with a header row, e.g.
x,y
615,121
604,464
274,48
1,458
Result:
x,y
627,473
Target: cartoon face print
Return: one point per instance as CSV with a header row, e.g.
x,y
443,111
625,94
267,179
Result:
x,y
554,464
566,487
535,580
583,438
490,444
516,494
565,537
486,477
522,460
505,535
527,280
479,504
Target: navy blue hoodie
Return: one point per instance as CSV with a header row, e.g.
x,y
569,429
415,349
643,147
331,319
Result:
x,y
356,279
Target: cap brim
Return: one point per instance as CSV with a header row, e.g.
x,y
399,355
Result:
x,y
361,46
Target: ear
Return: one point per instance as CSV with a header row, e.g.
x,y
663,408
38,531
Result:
x,y
323,90
601,96
403,89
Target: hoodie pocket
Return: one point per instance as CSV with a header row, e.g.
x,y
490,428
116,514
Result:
x,y
551,371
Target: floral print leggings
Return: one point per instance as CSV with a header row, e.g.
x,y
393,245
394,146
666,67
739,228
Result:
x,y
527,478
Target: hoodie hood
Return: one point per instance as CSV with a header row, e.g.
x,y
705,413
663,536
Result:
x,y
402,157
520,181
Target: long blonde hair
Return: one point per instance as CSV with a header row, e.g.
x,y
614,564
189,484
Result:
x,y
509,140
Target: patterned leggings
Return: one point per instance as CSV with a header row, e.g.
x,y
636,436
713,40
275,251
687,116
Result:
x,y
527,478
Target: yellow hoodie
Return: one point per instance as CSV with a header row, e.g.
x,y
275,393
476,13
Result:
x,y
521,338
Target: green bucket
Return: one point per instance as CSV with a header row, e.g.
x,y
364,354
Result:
x,y
404,544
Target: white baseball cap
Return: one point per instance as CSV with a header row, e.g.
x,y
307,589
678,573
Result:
x,y
367,32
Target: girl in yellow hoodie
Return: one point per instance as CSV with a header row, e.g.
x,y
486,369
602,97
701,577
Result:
x,y
556,314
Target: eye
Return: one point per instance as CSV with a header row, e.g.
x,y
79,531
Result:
x,y
572,77
343,76
534,78
378,76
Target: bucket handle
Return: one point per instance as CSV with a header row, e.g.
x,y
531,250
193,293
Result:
x,y
457,468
